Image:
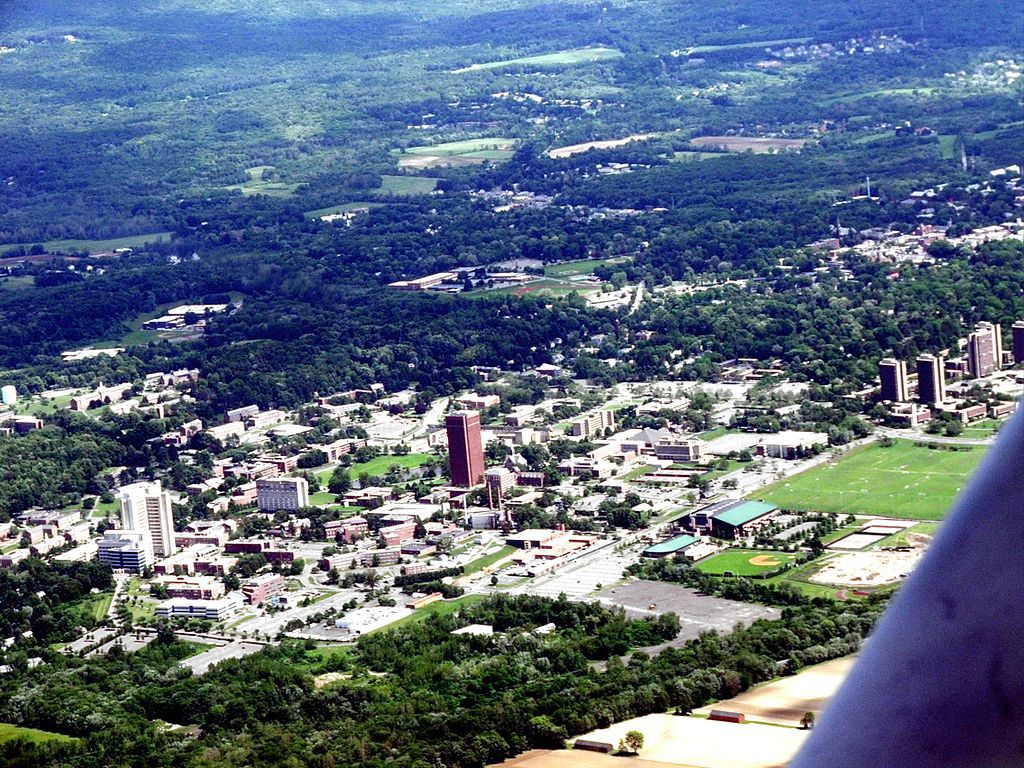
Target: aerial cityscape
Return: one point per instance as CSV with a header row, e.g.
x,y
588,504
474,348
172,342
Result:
x,y
507,383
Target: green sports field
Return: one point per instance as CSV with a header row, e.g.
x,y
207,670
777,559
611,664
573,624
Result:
x,y
904,480
746,562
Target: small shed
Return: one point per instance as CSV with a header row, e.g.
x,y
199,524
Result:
x,y
593,746
725,716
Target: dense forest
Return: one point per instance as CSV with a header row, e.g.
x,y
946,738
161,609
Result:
x,y
462,701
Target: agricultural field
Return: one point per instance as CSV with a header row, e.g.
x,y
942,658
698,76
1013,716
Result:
x,y
689,156
746,562
93,246
576,149
258,185
739,46
905,480
558,59
407,185
455,153
755,144
784,701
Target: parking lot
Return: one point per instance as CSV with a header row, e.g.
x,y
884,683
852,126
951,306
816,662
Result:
x,y
235,650
697,613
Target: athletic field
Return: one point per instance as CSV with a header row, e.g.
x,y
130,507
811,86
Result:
x,y
904,480
745,562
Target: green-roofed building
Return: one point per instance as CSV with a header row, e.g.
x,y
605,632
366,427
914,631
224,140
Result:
x,y
671,547
741,518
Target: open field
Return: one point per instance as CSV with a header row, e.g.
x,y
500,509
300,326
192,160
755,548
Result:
x,y
344,207
546,287
739,46
96,606
94,246
575,149
257,185
580,267
922,91
866,569
455,153
10,732
381,464
698,743
746,562
407,185
557,59
687,156
904,480
784,701
754,144
488,560
440,608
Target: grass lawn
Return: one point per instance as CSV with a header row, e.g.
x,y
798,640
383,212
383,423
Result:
x,y
557,59
96,606
10,732
982,429
94,246
947,145
633,474
17,283
711,434
580,267
689,155
904,480
320,498
407,185
381,464
900,539
488,560
440,608
746,562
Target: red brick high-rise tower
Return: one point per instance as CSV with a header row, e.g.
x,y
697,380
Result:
x,y
465,448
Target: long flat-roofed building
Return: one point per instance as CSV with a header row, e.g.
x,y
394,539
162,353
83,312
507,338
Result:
x,y
287,493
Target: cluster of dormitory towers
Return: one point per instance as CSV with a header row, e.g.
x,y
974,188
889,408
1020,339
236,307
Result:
x,y
984,357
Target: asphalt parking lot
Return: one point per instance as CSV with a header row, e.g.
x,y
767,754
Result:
x,y
697,613
236,650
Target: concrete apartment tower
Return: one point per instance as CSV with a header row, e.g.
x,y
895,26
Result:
x,y
1018,342
895,386
465,448
984,350
147,507
931,380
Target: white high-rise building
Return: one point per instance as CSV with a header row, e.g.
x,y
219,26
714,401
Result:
x,y
147,507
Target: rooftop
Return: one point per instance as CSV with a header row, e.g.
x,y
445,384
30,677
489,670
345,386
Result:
x,y
671,545
744,511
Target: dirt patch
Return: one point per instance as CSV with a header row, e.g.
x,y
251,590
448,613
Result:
x,y
867,569
765,561
564,758
576,149
784,702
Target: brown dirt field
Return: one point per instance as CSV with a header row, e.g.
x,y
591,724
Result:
x,y
873,568
783,702
566,758
576,149
697,743
743,143
764,560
